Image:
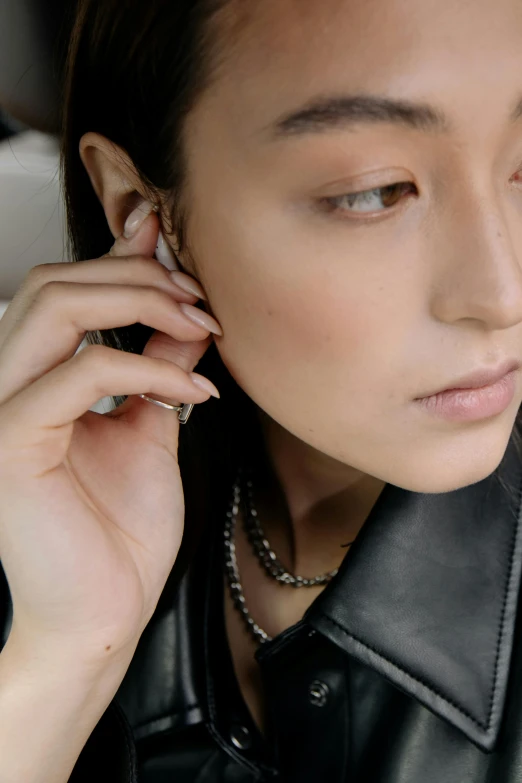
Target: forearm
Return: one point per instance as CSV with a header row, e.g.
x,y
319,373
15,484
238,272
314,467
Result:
x,y
48,709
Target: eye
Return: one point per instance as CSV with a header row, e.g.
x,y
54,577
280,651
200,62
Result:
x,y
375,200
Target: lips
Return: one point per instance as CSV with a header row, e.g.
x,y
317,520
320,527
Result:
x,y
479,378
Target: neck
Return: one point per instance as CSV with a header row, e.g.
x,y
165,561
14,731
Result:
x,y
309,504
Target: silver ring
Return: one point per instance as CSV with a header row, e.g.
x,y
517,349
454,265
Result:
x,y
184,410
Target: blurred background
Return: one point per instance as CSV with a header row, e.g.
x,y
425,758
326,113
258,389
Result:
x,y
34,35
33,41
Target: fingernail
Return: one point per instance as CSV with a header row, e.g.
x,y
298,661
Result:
x,y
203,383
136,218
201,318
165,254
188,284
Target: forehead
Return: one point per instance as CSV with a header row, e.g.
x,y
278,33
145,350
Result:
x,y
260,30
279,53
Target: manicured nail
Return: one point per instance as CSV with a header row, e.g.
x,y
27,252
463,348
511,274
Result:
x,y
201,318
165,254
203,383
136,218
188,284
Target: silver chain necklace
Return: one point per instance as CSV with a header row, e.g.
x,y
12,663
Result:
x,y
265,555
268,558
232,571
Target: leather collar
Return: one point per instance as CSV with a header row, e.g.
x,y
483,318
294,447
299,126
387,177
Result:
x,y
427,596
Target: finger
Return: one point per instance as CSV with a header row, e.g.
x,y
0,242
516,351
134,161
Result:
x,y
152,420
140,232
143,234
32,422
137,268
63,312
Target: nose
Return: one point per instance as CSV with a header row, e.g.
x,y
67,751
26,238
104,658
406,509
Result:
x,y
479,265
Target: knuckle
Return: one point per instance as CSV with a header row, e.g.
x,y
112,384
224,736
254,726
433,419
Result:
x,y
94,354
93,361
147,268
142,262
152,299
48,291
38,275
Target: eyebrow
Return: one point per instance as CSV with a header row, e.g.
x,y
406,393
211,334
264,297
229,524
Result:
x,y
346,111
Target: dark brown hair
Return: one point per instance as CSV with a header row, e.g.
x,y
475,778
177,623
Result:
x,y
134,71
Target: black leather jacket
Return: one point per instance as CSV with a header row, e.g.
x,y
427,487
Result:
x,y
406,669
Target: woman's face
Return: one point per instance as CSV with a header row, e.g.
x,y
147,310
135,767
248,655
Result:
x,y
336,317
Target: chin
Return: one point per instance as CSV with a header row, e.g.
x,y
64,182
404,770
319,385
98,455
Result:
x,y
457,462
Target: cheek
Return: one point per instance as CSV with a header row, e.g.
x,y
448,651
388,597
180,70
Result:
x,y
307,342
302,320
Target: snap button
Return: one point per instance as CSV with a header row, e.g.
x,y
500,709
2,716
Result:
x,y
240,737
318,693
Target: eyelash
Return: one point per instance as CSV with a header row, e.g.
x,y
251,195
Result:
x,y
330,203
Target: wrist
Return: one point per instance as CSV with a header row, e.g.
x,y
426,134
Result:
x,y
65,657
50,703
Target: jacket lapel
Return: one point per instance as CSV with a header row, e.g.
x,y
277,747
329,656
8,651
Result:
x,y
427,596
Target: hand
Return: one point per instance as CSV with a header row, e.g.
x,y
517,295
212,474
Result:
x,y
91,505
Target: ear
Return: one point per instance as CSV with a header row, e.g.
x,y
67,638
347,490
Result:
x,y
113,177
119,188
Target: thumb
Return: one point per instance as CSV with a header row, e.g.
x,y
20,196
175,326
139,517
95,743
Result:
x,y
140,233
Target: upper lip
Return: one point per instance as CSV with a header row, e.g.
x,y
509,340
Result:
x,y
480,378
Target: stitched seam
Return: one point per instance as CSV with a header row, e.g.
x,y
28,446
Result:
x,y
503,613
211,701
500,635
408,674
251,765
132,771
271,648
